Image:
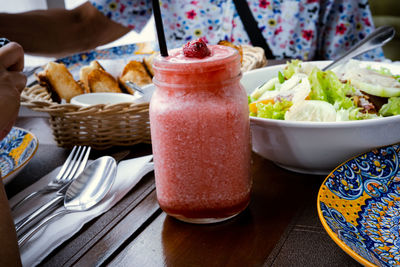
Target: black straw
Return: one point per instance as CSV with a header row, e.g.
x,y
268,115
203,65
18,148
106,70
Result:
x,y
160,30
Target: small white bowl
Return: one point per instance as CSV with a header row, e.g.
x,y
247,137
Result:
x,y
90,99
316,147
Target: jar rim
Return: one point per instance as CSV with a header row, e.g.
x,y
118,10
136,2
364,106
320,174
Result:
x,y
193,64
204,84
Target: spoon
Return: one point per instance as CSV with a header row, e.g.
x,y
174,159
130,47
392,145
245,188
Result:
x,y
144,93
377,38
85,191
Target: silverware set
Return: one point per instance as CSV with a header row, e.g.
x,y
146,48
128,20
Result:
x,y
83,193
71,169
77,186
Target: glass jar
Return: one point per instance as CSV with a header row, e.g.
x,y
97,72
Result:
x,y
200,133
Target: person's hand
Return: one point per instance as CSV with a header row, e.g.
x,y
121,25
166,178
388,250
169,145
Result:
x,y
12,82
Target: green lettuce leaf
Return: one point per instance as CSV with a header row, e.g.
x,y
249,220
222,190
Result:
x,y
291,68
326,86
392,107
352,114
317,85
273,111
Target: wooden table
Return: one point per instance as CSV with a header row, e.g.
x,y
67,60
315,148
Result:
x,y
280,227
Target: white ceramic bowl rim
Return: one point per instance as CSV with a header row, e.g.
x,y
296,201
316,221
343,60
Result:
x,y
339,124
107,98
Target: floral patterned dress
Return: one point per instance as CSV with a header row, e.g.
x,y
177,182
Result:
x,y
304,29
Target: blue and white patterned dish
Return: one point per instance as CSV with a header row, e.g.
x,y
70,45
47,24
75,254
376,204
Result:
x,y
359,206
124,52
16,150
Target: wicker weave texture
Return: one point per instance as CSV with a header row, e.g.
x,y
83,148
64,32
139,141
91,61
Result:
x,y
100,126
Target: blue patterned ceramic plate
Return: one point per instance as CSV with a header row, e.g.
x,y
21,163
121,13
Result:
x,y
359,206
122,53
16,150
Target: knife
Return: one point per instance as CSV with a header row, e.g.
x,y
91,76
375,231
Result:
x,y
44,210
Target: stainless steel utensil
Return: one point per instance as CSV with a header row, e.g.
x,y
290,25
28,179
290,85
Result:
x,y
52,204
144,92
72,167
88,189
134,87
377,38
31,70
43,211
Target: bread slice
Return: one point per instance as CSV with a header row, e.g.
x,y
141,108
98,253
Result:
x,y
59,82
84,72
102,81
148,62
135,72
237,47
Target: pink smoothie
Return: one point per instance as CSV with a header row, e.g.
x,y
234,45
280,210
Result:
x,y
200,135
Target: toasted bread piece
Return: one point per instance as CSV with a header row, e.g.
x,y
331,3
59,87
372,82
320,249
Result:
x,y
148,62
59,82
134,72
102,81
84,72
237,47
253,58
144,48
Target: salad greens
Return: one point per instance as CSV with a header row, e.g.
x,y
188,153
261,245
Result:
x,y
292,68
275,110
392,107
303,92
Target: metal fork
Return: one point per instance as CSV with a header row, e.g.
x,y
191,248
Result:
x,y
72,167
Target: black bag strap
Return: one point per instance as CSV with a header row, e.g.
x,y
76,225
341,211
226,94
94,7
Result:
x,y
251,27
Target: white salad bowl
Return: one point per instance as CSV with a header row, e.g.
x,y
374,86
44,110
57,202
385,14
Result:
x,y
316,147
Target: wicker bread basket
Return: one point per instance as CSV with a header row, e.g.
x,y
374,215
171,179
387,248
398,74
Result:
x,y
104,126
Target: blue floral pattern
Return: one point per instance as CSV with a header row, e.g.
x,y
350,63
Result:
x,y
346,232
305,29
16,149
76,61
372,173
371,184
85,58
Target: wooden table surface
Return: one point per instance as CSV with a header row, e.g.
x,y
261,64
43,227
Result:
x,y
280,227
